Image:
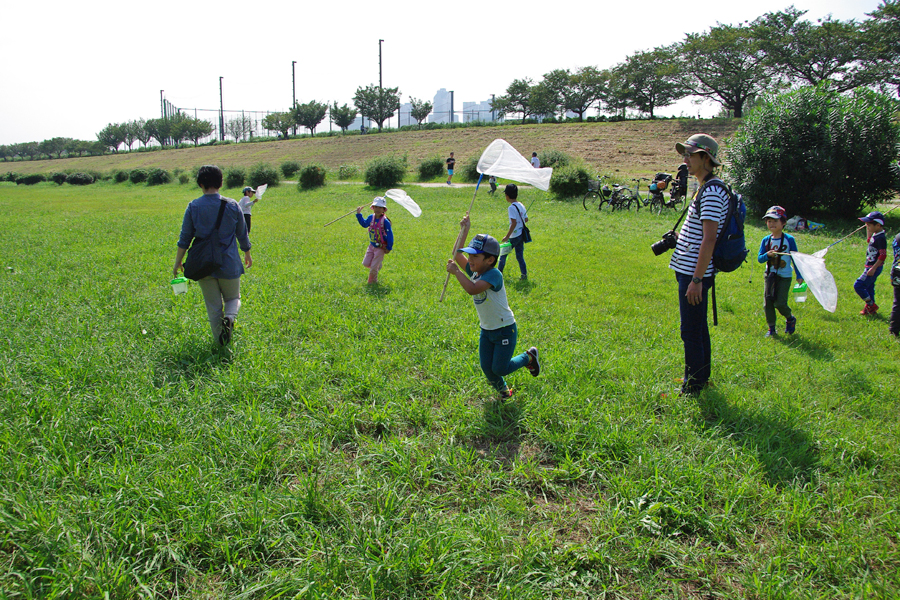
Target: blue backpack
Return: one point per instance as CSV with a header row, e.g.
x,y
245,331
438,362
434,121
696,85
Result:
x,y
731,247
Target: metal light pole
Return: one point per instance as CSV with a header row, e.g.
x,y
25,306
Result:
x,y
293,83
380,88
162,110
221,113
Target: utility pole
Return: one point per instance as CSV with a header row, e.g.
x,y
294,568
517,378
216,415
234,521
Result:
x,y
221,113
380,88
294,90
162,110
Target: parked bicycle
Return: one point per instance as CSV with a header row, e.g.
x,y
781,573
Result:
x,y
633,196
600,193
660,183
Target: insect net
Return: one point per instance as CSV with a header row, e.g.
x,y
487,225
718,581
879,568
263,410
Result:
x,y
502,160
818,278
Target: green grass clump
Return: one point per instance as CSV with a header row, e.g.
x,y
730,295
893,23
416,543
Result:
x,y
350,447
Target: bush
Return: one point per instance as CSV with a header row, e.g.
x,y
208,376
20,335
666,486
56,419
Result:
x,y
184,178
289,168
386,171
312,176
234,177
58,178
554,158
431,168
158,177
98,176
347,171
816,149
120,176
30,179
469,171
10,177
261,173
80,179
138,176
569,182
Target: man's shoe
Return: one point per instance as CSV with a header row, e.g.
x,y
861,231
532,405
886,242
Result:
x,y
534,366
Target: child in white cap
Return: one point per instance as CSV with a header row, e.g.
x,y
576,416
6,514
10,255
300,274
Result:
x,y
497,343
246,205
381,237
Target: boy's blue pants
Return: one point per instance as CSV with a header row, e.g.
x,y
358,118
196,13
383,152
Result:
x,y
495,351
865,285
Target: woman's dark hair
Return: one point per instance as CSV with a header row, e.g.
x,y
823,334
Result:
x,y
209,176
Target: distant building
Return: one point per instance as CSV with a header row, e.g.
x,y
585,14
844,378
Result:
x,y
441,111
478,111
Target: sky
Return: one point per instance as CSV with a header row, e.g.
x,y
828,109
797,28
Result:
x,y
69,69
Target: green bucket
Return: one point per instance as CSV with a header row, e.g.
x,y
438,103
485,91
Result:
x,y
179,285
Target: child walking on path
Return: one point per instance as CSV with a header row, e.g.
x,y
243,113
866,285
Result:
x,y
876,254
498,325
518,216
381,237
774,252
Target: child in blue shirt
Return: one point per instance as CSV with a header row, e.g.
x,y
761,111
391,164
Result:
x,y
774,251
381,237
895,282
498,324
876,254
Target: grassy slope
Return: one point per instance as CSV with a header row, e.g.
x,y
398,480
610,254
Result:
x,y
351,448
635,147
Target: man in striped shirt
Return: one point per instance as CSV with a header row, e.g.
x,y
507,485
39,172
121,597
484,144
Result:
x,y
692,258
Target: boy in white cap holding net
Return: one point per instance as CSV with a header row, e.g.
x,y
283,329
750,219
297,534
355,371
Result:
x,y
246,205
497,343
381,237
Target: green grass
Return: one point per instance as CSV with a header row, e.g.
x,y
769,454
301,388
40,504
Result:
x,y
350,446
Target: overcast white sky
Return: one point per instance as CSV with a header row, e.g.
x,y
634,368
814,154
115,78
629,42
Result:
x,y
70,68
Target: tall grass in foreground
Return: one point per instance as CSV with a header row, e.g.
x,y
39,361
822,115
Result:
x,y
350,447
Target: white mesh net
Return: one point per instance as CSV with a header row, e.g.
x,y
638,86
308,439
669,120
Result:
x,y
502,160
403,199
818,278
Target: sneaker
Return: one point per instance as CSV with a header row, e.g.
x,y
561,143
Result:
x,y
534,366
523,278
791,325
771,332
507,394
873,308
225,334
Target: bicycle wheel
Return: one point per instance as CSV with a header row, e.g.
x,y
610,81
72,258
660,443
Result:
x,y
590,200
626,198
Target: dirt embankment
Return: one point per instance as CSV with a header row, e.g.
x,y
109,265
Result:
x,y
628,147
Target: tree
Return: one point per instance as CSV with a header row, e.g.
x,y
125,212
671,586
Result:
x,y
652,79
131,133
280,122
543,100
197,129
239,127
814,148
6,152
159,130
726,65
179,127
343,117
615,95
55,146
29,149
881,39
141,132
810,54
112,136
516,100
310,114
376,103
556,85
420,109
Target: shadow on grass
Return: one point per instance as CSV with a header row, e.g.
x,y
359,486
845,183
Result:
x,y
194,359
500,434
376,290
523,286
808,347
786,453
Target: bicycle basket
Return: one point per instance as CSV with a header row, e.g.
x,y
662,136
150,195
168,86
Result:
x,y
594,185
606,191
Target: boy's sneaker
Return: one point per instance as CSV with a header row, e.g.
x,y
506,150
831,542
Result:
x,y
771,332
534,366
507,393
225,334
791,325
869,309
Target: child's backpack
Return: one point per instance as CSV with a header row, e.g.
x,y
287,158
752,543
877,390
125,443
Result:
x,y
731,247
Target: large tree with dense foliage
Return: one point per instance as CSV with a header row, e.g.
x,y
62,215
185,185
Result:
x,y
517,99
726,65
881,35
814,148
282,122
310,114
419,109
652,79
377,103
342,116
112,136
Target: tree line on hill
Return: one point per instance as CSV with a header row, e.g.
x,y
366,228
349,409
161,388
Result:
x,y
734,65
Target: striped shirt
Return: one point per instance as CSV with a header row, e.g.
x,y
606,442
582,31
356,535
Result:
x,y
713,206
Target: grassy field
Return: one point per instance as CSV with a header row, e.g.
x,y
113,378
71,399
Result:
x,y
351,448
633,147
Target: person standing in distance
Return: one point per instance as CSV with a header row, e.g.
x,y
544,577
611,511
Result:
x,y
535,161
450,162
692,258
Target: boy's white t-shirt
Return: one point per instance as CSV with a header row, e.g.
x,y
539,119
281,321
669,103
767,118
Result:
x,y
246,204
519,215
491,305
